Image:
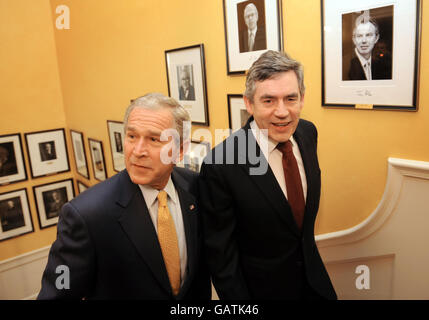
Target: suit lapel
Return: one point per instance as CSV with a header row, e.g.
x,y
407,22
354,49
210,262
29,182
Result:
x,y
137,224
267,183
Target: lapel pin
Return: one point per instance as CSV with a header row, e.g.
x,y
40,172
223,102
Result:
x,y
191,207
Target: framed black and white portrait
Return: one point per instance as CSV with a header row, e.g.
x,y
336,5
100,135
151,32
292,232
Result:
x,y
12,164
47,151
251,28
370,54
194,155
116,138
81,187
186,77
79,153
98,162
50,198
237,112
15,215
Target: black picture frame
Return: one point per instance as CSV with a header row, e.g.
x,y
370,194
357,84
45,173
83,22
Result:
x,y
97,159
237,112
47,151
12,161
116,133
240,57
394,74
187,65
79,152
50,198
15,214
194,155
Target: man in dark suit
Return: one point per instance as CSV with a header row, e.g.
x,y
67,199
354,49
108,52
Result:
x,y
136,235
365,65
254,37
259,202
186,90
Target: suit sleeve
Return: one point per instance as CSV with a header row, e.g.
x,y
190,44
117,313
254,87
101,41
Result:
x,y
219,225
69,273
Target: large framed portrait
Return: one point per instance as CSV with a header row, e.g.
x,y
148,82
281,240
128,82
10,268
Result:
x,y
15,215
194,155
12,164
116,138
237,112
186,77
79,153
50,198
251,28
97,156
47,151
370,54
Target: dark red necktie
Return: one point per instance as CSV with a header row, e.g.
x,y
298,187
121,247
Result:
x,y
295,194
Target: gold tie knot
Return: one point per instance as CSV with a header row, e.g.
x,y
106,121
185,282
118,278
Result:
x,y
162,198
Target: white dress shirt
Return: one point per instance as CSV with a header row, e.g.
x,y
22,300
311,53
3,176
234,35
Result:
x,y
251,34
366,65
274,157
150,195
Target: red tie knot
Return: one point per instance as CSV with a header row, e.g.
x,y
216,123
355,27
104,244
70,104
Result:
x,y
285,147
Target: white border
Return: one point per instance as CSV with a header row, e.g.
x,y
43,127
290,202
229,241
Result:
x,y
28,227
117,157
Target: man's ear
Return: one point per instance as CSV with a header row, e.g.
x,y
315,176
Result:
x,y
249,105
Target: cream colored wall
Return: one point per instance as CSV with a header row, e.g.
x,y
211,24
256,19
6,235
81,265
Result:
x,y
114,51
30,97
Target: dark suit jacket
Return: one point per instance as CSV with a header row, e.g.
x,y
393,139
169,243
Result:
x,y
254,247
107,240
190,96
381,69
260,40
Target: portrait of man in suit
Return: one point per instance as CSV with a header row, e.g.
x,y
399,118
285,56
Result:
x,y
11,215
186,89
366,62
137,234
47,151
53,201
118,142
259,224
252,34
7,159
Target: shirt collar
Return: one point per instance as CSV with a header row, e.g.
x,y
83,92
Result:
x,y
150,194
362,60
252,31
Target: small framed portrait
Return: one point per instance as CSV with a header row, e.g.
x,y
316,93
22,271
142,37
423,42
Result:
x,y
12,164
15,215
79,153
251,28
116,137
237,112
194,155
50,198
97,156
81,187
370,54
186,77
47,151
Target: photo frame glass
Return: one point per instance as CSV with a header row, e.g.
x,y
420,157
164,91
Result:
x,y
251,28
12,164
237,112
81,187
370,53
47,151
116,138
15,215
50,198
98,162
187,81
79,153
194,155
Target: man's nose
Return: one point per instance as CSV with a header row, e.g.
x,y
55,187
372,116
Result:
x,y
281,110
140,148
